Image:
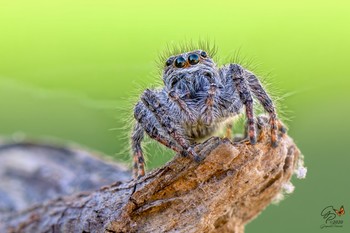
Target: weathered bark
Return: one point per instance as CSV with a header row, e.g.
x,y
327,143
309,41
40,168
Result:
x,y
229,187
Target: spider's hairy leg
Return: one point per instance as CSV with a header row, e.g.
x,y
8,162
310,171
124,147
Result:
x,y
264,99
138,159
145,123
181,104
242,87
162,114
209,102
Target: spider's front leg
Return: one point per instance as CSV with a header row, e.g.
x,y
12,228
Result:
x,y
163,115
138,159
146,122
246,82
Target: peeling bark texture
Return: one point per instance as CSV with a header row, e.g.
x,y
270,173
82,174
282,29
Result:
x,y
232,184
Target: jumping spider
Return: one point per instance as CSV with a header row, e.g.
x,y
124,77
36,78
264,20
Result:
x,y
196,100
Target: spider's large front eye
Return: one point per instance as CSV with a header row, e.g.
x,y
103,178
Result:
x,y
193,59
180,62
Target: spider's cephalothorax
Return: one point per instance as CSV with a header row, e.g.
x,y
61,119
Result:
x,y
197,99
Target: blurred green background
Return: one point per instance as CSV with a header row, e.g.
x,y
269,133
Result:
x,y
67,68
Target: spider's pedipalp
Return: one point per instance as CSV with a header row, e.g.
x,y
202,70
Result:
x,y
209,102
182,105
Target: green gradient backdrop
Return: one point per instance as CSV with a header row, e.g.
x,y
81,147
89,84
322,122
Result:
x,y
66,66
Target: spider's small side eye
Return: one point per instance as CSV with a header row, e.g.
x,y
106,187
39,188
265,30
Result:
x,y
204,54
193,59
180,62
169,62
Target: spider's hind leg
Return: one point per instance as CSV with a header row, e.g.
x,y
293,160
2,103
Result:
x,y
264,99
246,98
246,83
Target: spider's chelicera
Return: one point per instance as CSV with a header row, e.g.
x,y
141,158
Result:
x,y
197,99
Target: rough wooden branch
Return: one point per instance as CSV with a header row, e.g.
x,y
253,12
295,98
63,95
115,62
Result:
x,y
229,187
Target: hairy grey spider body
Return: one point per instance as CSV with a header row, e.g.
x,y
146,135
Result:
x,y
197,98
